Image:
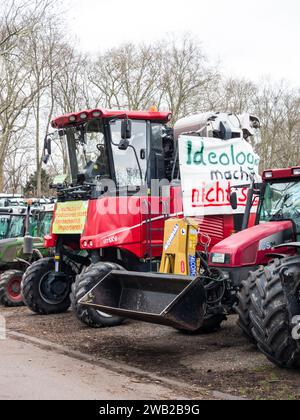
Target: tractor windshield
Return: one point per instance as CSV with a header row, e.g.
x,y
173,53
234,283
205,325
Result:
x,y
11,226
281,202
87,149
92,155
40,224
45,223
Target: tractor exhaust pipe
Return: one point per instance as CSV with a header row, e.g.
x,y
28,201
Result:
x,y
175,301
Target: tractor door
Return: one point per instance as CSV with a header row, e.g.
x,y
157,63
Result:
x,y
130,165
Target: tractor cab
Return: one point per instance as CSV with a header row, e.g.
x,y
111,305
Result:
x,y
36,219
127,148
277,225
12,222
280,198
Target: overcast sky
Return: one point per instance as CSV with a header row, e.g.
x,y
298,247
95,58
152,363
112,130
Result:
x,y
252,38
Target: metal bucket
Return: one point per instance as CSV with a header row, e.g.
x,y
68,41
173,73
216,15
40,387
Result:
x,y
175,301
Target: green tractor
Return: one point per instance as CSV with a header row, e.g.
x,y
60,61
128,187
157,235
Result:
x,y
22,229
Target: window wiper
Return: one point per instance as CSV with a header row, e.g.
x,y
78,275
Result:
x,y
279,214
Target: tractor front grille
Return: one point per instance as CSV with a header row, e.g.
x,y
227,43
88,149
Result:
x,y
213,226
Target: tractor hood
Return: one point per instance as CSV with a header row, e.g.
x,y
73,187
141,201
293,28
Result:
x,y
12,248
6,242
252,246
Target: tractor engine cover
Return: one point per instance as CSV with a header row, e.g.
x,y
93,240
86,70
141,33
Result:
x,y
252,247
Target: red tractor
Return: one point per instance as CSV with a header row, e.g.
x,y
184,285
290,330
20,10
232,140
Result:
x,y
110,215
255,273
264,261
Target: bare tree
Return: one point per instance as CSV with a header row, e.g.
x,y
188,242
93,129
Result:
x,y
18,19
184,75
126,77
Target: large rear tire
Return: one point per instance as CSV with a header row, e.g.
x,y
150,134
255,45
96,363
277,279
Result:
x,y
271,314
37,293
83,284
10,288
243,306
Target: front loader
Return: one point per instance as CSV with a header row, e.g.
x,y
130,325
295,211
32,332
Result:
x,y
176,296
110,215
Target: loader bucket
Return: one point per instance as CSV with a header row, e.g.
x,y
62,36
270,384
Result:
x,y
175,301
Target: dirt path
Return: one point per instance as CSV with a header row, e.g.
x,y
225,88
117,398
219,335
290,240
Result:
x,y
223,362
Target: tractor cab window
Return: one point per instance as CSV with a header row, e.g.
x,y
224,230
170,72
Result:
x,y
45,224
33,226
130,171
93,150
4,226
90,160
281,202
15,227
40,225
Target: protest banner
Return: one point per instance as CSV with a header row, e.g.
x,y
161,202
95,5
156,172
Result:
x,y
210,168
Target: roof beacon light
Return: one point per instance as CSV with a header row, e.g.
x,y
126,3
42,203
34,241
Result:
x,y
72,118
97,114
268,174
296,171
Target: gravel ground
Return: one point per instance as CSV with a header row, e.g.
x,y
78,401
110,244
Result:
x,y
223,361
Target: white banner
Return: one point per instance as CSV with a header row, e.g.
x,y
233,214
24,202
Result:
x,y
210,168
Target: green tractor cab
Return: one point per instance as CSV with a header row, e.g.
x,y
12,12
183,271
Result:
x,y
17,225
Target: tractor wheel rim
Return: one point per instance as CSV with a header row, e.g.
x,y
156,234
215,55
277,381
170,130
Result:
x,y
47,294
13,289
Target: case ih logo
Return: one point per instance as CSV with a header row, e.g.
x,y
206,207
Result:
x,y
111,240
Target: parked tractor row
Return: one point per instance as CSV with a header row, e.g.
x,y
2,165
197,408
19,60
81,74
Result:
x,y
22,223
163,266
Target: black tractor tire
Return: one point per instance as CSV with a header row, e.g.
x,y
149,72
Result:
x,y
211,325
83,284
270,316
243,306
10,288
31,290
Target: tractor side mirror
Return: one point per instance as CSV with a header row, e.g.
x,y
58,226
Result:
x,y
124,144
234,200
126,129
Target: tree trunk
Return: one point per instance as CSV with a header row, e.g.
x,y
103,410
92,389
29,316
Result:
x,y
38,158
2,181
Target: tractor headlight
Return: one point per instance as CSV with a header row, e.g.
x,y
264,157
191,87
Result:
x,y
220,258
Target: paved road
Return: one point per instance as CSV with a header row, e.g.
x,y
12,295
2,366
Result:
x,y
224,361
28,372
